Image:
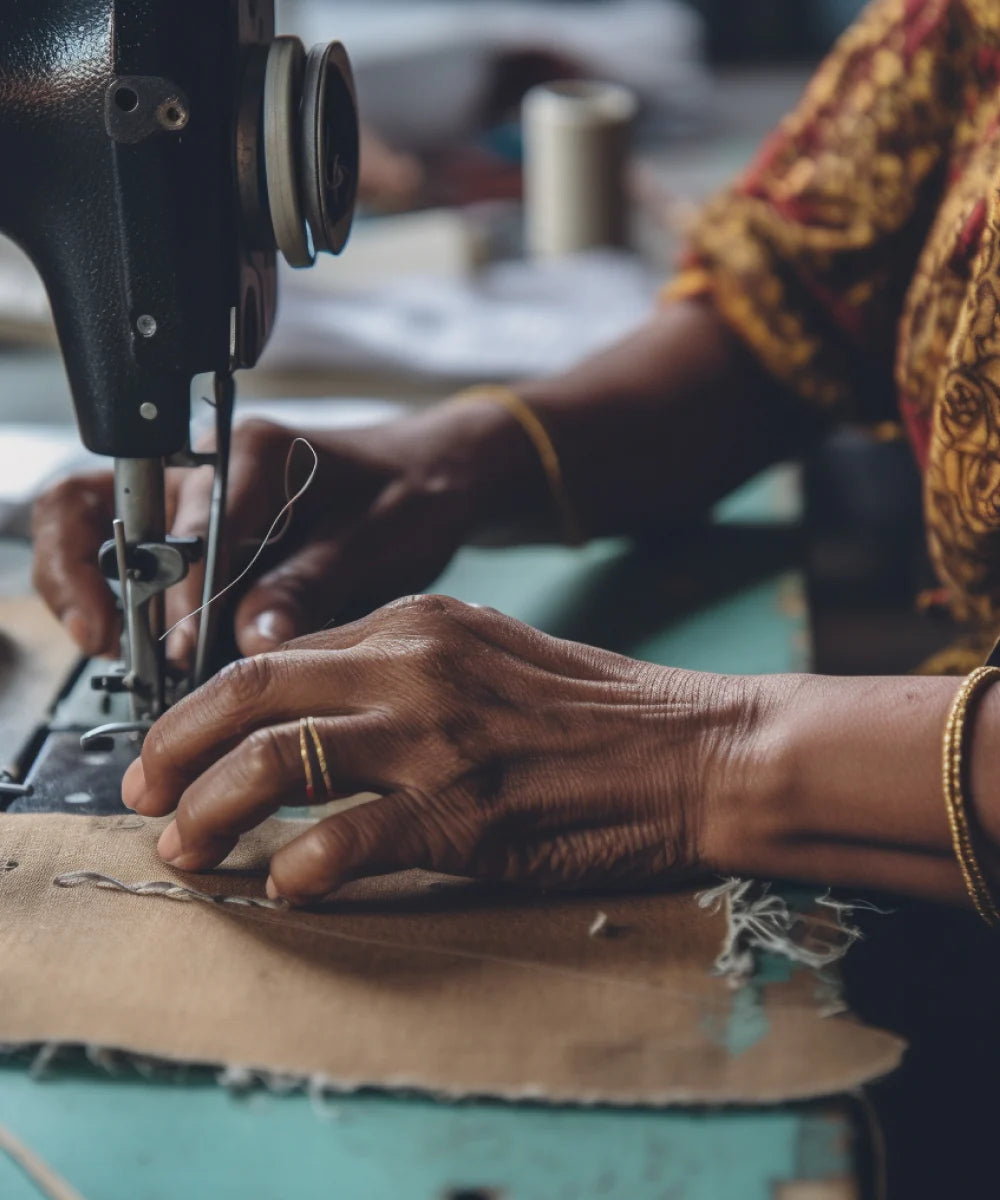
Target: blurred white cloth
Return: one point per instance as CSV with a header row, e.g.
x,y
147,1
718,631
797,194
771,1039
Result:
x,y
512,319
422,68
508,320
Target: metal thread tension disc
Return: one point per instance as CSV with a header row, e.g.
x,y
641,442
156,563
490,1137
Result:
x,y
311,148
330,151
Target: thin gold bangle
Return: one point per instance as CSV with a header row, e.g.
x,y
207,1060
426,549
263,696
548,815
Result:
x,y
955,770
529,421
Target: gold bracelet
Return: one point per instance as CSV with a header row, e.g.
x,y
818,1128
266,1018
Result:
x,y
526,417
956,776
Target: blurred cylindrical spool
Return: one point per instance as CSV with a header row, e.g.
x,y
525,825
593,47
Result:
x,y
576,143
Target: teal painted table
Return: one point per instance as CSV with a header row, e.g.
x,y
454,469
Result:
x,y
726,599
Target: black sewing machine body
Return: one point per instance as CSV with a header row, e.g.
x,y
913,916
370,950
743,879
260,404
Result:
x,y
53,773
118,123
157,155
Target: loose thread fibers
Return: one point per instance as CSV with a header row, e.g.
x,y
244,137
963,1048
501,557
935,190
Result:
x,y
279,527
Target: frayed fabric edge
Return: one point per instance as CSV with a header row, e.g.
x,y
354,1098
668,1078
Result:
x,y
759,921
322,1090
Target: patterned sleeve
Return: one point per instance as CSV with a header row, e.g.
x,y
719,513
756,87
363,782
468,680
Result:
x,y
808,255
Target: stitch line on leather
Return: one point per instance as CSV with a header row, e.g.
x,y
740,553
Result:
x,y
171,891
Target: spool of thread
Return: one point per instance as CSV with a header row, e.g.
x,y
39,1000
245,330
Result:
x,y
576,141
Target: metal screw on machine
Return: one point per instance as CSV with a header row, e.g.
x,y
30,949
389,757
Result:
x,y
172,113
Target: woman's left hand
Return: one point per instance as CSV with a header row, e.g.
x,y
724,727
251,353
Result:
x,y
498,752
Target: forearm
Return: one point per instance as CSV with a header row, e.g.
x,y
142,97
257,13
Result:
x,y
650,432
838,781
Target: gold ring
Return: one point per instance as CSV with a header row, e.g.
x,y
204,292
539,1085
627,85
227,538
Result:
x,y
307,725
306,761
320,757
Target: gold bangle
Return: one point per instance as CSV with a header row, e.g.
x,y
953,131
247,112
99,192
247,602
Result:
x,y
956,792
526,417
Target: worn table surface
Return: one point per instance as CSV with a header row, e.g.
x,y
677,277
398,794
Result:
x,y
729,600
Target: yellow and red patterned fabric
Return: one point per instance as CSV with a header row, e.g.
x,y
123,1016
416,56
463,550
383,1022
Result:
x,y
859,257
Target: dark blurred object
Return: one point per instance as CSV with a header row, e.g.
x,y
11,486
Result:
x,y
932,975
867,558
769,30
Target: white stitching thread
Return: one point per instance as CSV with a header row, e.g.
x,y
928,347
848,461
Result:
x,y
172,891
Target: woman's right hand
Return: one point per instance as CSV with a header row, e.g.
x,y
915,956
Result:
x,y
386,511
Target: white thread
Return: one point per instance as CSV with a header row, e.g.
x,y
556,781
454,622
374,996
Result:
x,y
765,922
672,994
273,535
45,1055
172,891
599,925
51,1185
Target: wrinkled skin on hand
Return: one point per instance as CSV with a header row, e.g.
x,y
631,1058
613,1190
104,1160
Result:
x,y
498,752
388,508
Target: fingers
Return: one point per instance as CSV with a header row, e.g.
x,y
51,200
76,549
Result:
x,y
70,523
325,674
395,833
399,546
190,520
253,495
252,693
288,601
265,771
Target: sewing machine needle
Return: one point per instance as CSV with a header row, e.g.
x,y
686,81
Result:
x,y
121,557
225,396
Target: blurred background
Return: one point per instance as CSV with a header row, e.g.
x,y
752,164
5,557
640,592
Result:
x,y
435,287
439,287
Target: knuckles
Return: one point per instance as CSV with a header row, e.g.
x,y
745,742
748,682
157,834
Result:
x,y
424,607
267,755
436,617
246,682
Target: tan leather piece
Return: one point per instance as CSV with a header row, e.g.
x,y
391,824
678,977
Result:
x,y
408,981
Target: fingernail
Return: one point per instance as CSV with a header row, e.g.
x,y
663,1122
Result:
x,y
272,889
133,785
275,627
169,846
178,648
79,628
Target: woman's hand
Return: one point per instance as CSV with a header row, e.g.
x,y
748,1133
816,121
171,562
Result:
x,y
498,752
386,511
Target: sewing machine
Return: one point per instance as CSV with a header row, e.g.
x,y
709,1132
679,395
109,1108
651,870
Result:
x,y
157,158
